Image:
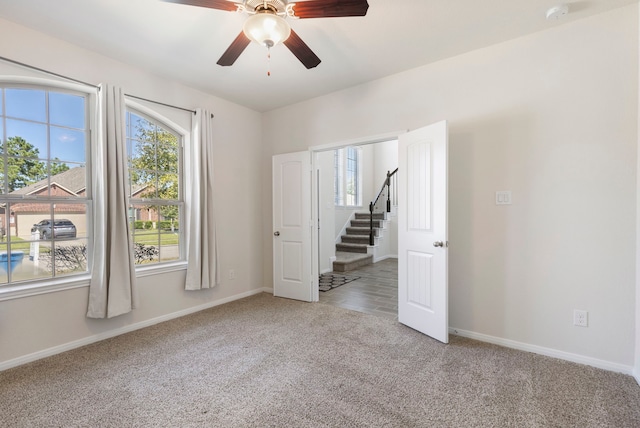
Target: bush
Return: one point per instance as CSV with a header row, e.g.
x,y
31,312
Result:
x,y
166,225
71,258
144,253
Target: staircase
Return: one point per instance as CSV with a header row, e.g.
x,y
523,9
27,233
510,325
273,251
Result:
x,y
353,250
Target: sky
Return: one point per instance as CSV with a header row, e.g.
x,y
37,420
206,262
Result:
x,y
25,115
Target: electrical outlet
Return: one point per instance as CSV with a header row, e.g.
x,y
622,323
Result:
x,y
580,318
232,274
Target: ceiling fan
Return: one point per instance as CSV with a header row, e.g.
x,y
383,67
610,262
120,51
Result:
x,y
267,24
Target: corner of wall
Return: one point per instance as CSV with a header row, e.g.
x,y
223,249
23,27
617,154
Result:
x,y
636,368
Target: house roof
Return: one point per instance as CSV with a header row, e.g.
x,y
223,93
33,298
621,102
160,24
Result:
x,y
73,181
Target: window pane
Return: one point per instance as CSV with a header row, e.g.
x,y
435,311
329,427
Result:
x,y
26,139
25,176
167,186
4,266
67,110
169,233
29,221
143,184
70,257
26,104
168,156
70,221
68,179
2,177
143,154
140,128
68,144
146,236
1,103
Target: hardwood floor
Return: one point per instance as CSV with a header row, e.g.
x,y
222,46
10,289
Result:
x,y
376,292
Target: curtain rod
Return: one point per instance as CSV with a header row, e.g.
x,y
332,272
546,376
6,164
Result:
x,y
49,72
41,70
159,103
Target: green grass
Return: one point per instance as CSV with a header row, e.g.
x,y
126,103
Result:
x,y
17,244
150,237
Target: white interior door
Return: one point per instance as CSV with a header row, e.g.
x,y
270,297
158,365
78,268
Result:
x,y
422,231
292,226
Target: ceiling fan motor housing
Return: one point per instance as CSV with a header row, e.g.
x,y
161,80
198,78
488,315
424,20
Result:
x,y
275,6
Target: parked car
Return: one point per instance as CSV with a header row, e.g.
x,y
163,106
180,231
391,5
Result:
x,y
62,228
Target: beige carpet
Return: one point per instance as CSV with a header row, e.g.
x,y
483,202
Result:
x,y
269,362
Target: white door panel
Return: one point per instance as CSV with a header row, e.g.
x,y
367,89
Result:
x,y
291,226
422,224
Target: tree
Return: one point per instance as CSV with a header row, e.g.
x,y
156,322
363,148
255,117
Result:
x,y
58,167
154,164
23,167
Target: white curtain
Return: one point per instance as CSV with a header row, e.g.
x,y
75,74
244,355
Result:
x,y
112,291
202,251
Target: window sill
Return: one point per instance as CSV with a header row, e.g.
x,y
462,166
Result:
x,y
142,271
51,286
60,284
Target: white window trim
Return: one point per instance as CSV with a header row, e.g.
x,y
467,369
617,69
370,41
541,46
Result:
x,y
343,165
44,286
162,267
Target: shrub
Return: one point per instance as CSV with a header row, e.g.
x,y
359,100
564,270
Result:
x,y
70,258
166,225
144,253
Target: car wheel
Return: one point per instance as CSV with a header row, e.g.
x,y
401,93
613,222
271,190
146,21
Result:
x,y
44,235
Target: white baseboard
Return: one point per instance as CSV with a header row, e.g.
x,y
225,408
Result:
x,y
126,329
549,352
388,256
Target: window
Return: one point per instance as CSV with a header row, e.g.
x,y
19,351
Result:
x,y
347,177
44,197
155,171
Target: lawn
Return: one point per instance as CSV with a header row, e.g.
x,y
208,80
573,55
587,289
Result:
x,y
150,237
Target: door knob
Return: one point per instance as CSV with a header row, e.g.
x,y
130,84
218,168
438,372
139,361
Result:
x,y
276,233
438,244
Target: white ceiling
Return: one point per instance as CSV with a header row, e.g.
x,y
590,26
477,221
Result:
x,y
183,43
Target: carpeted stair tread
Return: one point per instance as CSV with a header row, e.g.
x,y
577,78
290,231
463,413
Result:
x,y
349,261
356,239
352,248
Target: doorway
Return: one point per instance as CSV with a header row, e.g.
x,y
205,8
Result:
x,y
373,287
422,228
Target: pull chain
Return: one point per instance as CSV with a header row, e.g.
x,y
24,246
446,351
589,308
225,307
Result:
x,y
268,61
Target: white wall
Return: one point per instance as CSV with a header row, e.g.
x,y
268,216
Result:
x,y
552,117
34,326
636,370
327,211
386,160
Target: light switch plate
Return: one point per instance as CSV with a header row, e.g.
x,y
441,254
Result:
x,y
503,197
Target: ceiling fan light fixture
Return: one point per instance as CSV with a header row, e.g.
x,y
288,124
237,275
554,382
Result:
x,y
267,29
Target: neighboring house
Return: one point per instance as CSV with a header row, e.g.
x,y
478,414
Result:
x,y
67,184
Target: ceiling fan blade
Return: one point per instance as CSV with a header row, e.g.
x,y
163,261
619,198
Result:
x,y
301,50
212,4
234,50
330,8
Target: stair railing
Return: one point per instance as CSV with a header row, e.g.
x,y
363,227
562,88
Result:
x,y
372,204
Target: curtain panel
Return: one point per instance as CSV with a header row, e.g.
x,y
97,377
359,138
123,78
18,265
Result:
x,y
202,249
112,291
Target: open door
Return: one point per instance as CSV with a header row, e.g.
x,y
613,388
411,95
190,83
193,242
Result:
x,y
422,231
292,226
